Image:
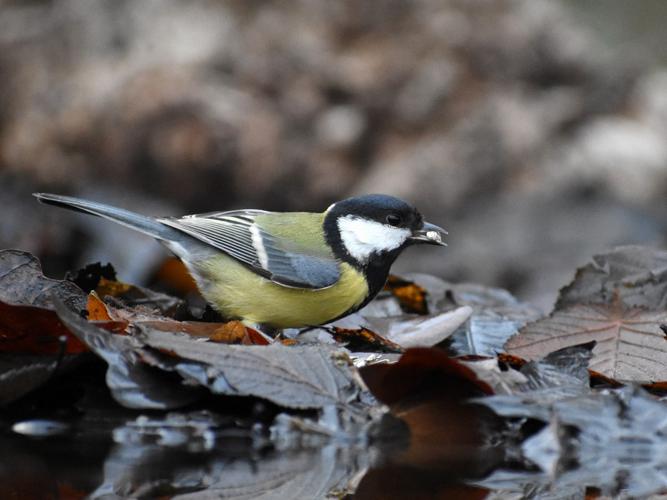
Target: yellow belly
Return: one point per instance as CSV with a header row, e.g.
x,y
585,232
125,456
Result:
x,y
237,292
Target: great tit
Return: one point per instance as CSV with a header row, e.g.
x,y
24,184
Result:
x,y
284,270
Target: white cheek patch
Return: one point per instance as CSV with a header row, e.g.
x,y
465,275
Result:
x,y
362,237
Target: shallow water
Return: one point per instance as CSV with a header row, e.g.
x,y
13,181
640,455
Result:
x,y
203,456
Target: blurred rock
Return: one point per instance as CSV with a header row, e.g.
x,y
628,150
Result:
x,y
625,157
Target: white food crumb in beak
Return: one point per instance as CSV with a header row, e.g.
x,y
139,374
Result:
x,y
434,235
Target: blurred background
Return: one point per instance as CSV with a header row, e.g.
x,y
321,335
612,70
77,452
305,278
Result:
x,y
535,131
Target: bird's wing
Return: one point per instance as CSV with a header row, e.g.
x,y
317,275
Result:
x,y
287,248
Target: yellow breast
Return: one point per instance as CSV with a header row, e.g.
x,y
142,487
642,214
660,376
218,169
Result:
x,y
237,292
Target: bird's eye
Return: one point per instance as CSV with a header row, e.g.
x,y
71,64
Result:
x,y
393,220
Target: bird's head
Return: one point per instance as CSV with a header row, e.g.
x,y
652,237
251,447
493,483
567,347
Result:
x,y
375,228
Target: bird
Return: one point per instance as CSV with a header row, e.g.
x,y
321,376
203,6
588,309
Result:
x,y
278,270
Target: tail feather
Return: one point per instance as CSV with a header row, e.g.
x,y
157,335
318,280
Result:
x,y
138,222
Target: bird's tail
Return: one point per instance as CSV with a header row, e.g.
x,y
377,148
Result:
x,y
138,222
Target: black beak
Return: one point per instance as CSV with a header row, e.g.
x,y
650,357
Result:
x,y
429,234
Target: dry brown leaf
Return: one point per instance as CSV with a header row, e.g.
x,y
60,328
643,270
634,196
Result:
x,y
119,318
630,343
411,296
33,330
360,339
133,295
232,332
97,310
102,315
113,288
423,368
34,343
657,388
303,377
27,322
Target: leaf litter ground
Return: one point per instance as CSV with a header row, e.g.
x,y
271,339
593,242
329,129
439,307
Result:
x,y
416,383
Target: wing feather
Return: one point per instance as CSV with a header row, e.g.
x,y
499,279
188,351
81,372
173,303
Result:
x,y
238,234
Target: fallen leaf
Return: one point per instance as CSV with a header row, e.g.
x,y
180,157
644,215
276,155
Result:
x,y
496,313
496,316
513,361
600,381
133,383
410,330
101,314
531,391
157,368
293,377
489,328
657,388
630,344
133,295
97,310
22,283
35,330
113,288
508,374
27,322
637,275
362,339
120,318
566,367
425,331
411,296
232,332
102,280
33,341
421,368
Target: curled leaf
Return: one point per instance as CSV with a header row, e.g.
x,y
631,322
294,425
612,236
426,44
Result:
x,y
22,283
637,275
426,331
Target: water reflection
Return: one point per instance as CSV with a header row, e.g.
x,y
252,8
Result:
x,y
203,455
152,470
